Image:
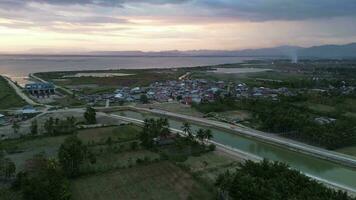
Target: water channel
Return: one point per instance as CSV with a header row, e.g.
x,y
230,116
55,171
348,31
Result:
x,y
320,168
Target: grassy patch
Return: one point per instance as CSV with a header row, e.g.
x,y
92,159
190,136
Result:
x,y
348,151
19,150
117,134
161,180
208,166
174,107
8,97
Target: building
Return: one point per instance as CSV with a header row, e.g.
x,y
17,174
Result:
x,y
40,89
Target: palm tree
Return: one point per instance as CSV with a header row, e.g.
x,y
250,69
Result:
x,y
187,130
207,134
200,135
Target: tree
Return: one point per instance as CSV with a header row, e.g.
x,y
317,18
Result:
x,y
153,128
90,115
16,127
71,155
201,135
207,134
144,99
34,127
49,126
272,180
7,167
187,130
42,179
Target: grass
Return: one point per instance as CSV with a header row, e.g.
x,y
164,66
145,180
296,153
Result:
x,y
23,149
210,165
161,180
175,107
8,97
110,160
348,150
120,134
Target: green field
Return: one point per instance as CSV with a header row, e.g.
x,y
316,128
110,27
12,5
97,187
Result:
x,y
19,150
8,97
348,151
161,180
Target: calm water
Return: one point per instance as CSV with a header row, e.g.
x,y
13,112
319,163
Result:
x,y
307,164
18,67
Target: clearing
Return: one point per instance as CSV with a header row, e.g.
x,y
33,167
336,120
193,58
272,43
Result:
x,y
162,180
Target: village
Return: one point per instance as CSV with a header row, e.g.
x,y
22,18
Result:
x,y
187,92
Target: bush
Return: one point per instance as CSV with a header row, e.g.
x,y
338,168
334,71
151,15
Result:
x,y
212,147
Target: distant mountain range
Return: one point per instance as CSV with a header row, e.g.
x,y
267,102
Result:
x,y
324,51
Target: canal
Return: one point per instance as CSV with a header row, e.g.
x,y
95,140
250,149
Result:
x,y
320,168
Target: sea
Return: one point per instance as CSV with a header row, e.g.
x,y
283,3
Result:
x,y
18,67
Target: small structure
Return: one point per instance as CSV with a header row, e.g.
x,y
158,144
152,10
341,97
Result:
x,y
40,89
28,110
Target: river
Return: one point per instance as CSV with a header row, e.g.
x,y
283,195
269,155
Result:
x,y
320,168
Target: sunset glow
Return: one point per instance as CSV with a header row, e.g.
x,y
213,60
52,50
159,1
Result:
x,y
86,25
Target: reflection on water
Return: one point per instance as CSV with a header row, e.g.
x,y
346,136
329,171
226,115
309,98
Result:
x,y
307,164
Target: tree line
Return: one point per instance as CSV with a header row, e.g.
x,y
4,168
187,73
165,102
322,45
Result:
x,y
272,180
290,120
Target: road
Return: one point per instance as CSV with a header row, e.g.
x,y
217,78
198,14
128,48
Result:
x,y
262,136
20,92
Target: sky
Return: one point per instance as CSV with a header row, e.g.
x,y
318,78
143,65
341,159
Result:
x,y
32,26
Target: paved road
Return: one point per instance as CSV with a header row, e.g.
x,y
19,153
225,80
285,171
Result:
x,y
265,137
19,92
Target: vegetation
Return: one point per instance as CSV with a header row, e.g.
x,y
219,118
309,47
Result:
x,y
90,115
291,120
34,127
16,127
8,97
144,99
162,180
152,129
71,155
56,126
42,179
272,180
7,167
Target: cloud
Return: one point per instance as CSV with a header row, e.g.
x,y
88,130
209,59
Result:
x,y
267,10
